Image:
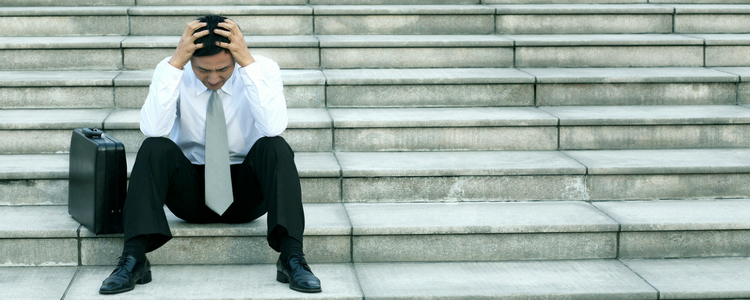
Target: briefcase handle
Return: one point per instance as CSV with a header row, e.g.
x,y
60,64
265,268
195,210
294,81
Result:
x,y
92,132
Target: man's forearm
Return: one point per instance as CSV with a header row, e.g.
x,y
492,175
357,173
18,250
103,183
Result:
x,y
160,109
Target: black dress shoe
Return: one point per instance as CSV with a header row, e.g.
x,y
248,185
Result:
x,y
297,273
128,272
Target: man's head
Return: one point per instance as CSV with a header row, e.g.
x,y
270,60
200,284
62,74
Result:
x,y
212,64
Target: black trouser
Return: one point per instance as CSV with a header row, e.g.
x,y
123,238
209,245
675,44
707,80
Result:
x,y
266,181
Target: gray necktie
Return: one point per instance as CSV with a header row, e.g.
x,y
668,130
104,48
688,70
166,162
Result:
x,y
218,179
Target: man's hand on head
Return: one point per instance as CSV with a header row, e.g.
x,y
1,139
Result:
x,y
187,45
236,46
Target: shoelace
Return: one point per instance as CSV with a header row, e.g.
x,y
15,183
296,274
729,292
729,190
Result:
x,y
301,260
120,264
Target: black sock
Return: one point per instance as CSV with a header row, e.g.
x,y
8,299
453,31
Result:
x,y
136,247
289,247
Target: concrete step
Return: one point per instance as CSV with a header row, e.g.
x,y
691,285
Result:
x,y
726,50
393,51
439,87
612,279
118,52
64,21
464,176
711,18
694,278
124,89
420,51
664,174
42,179
61,53
583,19
543,175
460,176
253,20
428,129
25,3
644,127
455,87
400,2
290,52
411,232
48,235
634,86
48,130
404,19
32,131
743,89
302,88
681,228
626,50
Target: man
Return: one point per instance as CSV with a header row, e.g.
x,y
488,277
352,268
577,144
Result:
x,y
223,110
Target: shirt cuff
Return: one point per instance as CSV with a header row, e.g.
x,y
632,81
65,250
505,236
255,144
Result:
x,y
167,73
254,72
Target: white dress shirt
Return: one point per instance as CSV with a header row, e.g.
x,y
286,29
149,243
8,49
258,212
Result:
x,y
253,100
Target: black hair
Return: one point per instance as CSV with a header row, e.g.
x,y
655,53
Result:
x,y
209,41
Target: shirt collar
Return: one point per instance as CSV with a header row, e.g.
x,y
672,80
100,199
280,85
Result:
x,y
226,88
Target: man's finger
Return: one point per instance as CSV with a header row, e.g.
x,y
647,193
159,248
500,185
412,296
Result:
x,y
222,32
200,34
230,26
223,45
198,45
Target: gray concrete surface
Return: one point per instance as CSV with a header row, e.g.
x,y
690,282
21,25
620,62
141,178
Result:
x,y
52,118
484,247
411,41
166,24
402,57
465,188
679,215
465,163
445,138
38,236
476,218
680,161
666,186
583,24
339,282
695,278
618,137
34,192
605,93
16,283
430,95
649,115
630,75
580,9
685,244
707,22
608,56
327,239
442,117
510,280
34,166
405,24
445,76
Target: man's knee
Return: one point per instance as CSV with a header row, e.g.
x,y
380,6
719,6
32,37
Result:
x,y
276,145
158,146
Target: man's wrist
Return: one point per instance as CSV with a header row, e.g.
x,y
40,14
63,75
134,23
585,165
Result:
x,y
176,64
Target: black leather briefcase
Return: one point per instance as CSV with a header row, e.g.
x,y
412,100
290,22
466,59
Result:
x,y
98,174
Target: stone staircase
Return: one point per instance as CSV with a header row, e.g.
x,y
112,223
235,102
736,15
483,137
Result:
x,y
448,149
